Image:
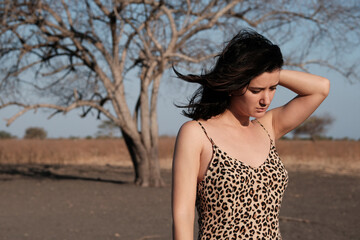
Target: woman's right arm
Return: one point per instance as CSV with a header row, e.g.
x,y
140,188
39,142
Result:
x,y
186,165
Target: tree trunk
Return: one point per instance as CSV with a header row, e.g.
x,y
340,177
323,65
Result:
x,y
146,163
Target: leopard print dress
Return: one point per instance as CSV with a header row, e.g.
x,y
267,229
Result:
x,y
237,201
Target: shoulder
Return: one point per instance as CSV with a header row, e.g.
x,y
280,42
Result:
x,y
190,129
188,146
190,126
190,136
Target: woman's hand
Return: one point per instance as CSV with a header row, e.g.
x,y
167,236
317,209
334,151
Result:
x,y
311,90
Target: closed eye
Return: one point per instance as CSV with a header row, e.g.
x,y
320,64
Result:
x,y
255,91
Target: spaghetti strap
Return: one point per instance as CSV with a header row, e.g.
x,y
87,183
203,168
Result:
x,y
210,139
264,129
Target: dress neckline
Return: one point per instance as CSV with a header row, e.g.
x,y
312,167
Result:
x,y
216,147
242,162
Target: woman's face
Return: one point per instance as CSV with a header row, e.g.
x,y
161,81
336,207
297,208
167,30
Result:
x,y
257,97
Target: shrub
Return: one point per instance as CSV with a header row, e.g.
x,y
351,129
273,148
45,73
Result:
x,y
314,127
35,133
5,135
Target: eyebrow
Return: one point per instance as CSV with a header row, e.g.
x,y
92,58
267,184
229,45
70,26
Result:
x,y
259,88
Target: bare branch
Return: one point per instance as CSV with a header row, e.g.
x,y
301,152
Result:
x,y
187,33
59,109
186,58
346,72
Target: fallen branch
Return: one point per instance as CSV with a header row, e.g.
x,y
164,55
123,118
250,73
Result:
x,y
292,219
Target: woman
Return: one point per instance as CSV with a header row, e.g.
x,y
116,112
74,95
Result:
x,y
226,164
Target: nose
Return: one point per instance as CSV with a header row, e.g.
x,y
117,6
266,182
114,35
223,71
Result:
x,y
265,99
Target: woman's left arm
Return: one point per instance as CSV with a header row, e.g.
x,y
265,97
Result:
x,y
311,90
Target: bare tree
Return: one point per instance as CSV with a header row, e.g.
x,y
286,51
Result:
x,y
81,53
314,126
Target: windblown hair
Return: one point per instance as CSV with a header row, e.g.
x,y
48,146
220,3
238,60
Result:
x,y
246,56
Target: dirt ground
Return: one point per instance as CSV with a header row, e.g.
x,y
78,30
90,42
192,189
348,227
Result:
x,y
100,203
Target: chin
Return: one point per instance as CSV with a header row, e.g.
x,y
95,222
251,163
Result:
x,y
258,114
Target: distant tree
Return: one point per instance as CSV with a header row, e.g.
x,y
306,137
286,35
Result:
x,y
5,135
315,127
73,137
35,133
107,129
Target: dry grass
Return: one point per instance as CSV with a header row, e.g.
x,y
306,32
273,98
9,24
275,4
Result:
x,y
64,151
341,157
75,151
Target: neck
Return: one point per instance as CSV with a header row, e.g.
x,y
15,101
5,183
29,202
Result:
x,y
236,119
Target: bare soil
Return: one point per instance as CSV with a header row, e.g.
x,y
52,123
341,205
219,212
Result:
x,y
47,202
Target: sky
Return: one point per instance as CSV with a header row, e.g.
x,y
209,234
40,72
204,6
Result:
x,y
342,103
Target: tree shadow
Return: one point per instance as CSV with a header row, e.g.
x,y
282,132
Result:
x,y
84,173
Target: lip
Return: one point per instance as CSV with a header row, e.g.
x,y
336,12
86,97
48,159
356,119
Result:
x,y
261,109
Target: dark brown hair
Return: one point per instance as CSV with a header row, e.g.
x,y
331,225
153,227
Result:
x,y
246,56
